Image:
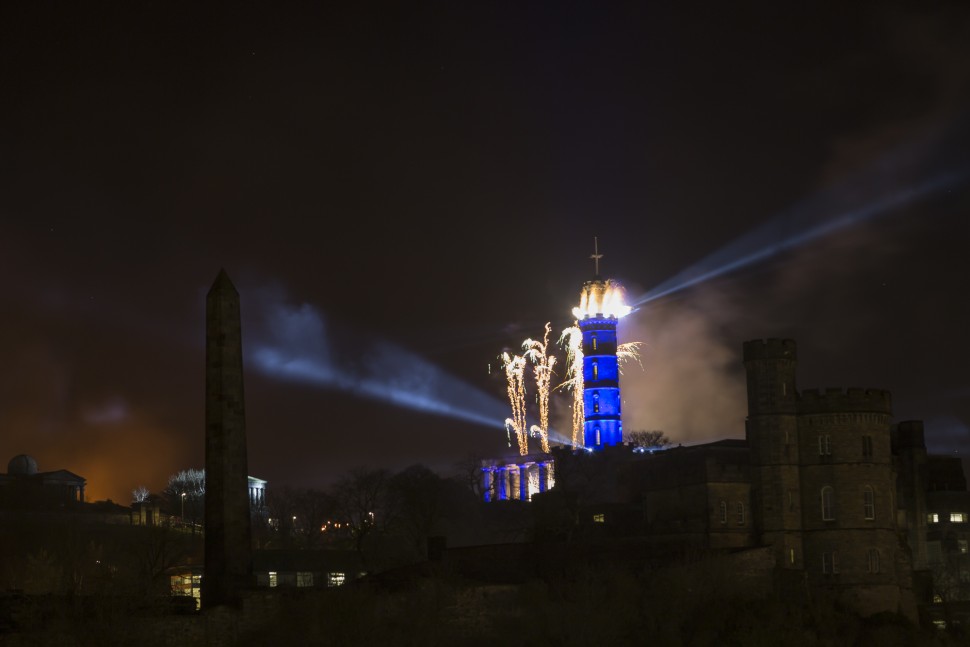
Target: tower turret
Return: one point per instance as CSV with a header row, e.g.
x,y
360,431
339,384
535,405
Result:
x,y
772,433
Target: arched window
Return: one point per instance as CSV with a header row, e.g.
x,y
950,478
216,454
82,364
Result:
x,y
828,512
868,503
723,512
594,342
740,513
597,435
596,371
596,403
872,563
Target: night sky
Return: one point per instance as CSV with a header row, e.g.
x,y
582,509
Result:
x,y
402,191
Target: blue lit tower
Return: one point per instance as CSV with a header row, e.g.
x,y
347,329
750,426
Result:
x,y
601,305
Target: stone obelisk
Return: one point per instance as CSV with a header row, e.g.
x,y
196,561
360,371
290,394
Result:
x,y
228,544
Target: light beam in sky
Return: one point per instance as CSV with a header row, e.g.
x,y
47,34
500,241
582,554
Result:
x,y
296,347
829,212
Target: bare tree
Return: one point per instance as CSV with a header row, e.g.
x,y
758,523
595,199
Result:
x,y
300,516
140,494
361,502
186,494
647,439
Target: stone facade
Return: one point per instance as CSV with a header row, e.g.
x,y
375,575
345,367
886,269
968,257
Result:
x,y
841,497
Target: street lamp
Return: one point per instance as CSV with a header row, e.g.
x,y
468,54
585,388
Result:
x,y
182,517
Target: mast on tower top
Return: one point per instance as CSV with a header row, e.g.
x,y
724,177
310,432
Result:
x,y
596,256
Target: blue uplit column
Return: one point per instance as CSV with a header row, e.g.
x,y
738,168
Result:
x,y
502,478
524,482
601,382
487,478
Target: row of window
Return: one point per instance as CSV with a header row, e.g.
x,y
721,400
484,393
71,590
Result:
x,y
827,496
955,517
828,505
830,562
305,579
738,513
825,446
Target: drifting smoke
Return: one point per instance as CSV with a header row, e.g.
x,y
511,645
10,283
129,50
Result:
x,y
293,343
690,384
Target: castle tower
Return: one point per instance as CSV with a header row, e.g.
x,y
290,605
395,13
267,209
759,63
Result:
x,y
228,547
772,433
600,307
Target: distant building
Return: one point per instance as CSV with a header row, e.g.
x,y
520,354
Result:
x,y
846,500
306,568
23,486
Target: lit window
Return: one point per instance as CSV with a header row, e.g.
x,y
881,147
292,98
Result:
x,y
791,556
273,580
958,517
723,512
740,513
336,579
869,503
933,517
596,403
828,512
872,564
594,342
597,435
962,545
599,518
596,371
304,578
867,447
830,563
825,445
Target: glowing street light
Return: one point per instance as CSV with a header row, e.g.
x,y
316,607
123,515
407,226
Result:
x,y
182,517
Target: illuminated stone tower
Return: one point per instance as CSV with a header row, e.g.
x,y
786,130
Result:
x,y
600,307
228,547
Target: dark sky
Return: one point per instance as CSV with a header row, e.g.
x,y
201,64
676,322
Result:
x,y
402,191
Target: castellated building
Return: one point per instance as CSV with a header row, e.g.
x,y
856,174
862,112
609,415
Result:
x,y
824,495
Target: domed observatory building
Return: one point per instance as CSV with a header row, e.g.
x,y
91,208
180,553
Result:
x,y
24,487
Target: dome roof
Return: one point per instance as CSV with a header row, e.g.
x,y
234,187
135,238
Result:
x,y
22,464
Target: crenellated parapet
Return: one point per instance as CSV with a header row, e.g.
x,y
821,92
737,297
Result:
x,y
838,400
770,349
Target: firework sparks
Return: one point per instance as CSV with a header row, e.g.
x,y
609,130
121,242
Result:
x,y
538,352
601,298
630,351
533,487
572,339
514,366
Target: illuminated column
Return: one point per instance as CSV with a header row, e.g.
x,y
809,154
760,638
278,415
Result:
x,y
502,493
487,477
513,473
524,482
543,476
